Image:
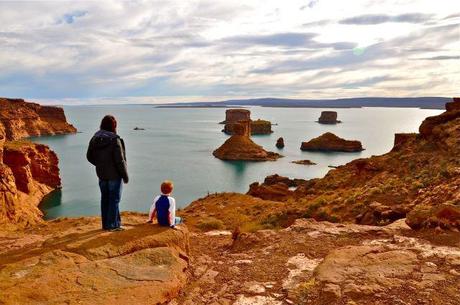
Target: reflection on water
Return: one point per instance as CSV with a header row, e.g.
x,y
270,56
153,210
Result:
x,y
51,200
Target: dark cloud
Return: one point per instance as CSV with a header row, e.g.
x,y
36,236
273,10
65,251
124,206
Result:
x,y
369,82
442,57
281,39
379,19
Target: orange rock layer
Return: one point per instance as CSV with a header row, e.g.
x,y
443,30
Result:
x,y
28,171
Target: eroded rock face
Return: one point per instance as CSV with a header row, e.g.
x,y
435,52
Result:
x,y
328,117
331,142
28,171
240,146
22,119
233,116
72,261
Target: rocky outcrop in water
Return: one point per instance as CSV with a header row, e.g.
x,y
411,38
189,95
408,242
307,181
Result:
x,y
304,162
331,142
328,117
240,146
233,116
280,143
73,261
261,127
28,171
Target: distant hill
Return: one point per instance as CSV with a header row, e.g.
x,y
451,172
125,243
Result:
x,y
412,102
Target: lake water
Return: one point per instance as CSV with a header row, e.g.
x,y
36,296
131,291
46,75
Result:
x,y
177,144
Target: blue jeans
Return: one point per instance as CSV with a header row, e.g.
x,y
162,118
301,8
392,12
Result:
x,y
110,199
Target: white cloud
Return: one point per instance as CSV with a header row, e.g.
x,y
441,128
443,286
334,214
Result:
x,y
206,49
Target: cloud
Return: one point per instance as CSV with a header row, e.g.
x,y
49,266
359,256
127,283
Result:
x,y
90,49
310,4
379,19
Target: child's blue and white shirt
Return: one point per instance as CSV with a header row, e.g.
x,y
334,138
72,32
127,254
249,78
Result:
x,y
165,207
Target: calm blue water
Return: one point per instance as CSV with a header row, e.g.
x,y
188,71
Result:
x,y
178,143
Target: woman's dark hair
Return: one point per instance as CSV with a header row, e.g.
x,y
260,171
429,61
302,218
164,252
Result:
x,y
109,123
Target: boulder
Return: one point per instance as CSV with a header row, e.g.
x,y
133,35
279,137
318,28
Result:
x,y
443,215
331,142
362,271
328,117
280,143
275,192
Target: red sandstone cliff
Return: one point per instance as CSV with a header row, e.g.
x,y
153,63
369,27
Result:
x,y
28,171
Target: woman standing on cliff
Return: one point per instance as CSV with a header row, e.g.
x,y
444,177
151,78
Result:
x,y
106,151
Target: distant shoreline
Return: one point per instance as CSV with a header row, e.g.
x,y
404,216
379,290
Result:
x,y
437,103
411,102
314,107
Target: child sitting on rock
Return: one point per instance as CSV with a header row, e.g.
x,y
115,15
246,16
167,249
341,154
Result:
x,y
164,207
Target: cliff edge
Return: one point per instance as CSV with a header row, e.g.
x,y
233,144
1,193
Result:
x,y
28,171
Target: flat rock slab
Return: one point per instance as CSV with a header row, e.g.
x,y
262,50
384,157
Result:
x,y
80,264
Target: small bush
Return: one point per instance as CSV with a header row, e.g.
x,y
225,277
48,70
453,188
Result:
x,y
252,227
210,223
274,221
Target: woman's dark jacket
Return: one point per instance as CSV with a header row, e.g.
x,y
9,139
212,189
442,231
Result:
x,y
106,151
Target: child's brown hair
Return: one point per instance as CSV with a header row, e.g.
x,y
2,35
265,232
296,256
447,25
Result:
x,y
167,187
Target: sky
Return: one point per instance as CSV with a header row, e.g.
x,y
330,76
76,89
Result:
x,y
174,51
